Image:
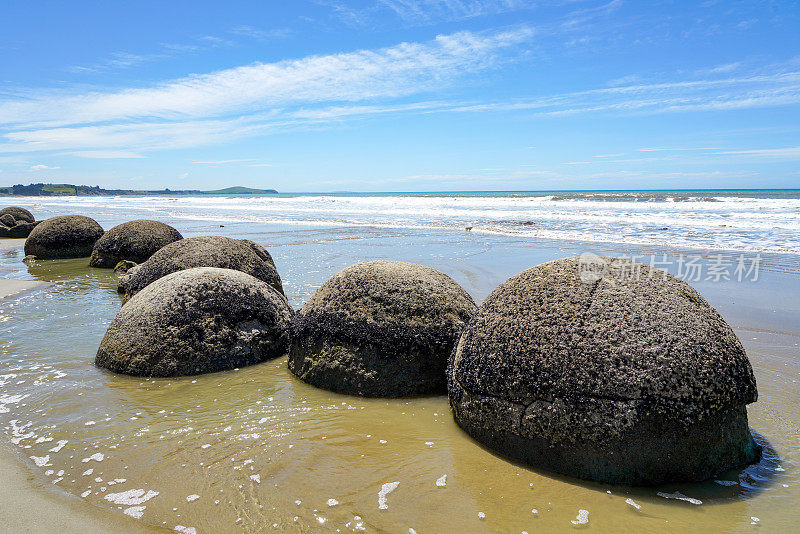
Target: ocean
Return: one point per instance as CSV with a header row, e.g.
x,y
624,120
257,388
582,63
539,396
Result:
x,y
741,220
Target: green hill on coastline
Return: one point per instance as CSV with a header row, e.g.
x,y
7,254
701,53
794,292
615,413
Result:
x,y
49,190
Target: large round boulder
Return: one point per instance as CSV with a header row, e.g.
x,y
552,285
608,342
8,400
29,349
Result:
x,y
198,320
605,369
204,251
380,329
132,241
19,214
66,236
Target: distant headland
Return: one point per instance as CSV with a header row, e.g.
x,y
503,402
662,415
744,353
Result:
x,y
50,190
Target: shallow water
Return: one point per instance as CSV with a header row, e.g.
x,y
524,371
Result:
x,y
256,448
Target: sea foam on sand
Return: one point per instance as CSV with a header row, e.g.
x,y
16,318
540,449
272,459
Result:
x,y
386,489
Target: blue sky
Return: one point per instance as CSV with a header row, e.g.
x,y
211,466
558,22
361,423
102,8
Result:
x,y
401,95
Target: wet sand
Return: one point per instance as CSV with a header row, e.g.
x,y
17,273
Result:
x,y
27,504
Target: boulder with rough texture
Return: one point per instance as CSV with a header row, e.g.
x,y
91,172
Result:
x,y
618,374
19,214
124,266
66,236
198,320
133,241
380,329
204,251
22,229
7,220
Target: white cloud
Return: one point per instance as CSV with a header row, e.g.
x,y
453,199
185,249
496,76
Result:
x,y
404,69
791,153
106,154
424,11
43,168
261,35
318,91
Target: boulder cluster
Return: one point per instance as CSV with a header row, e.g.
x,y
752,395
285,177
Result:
x,y
608,377
16,222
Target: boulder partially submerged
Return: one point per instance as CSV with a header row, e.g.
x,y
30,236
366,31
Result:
x,y
132,241
380,329
65,236
626,375
205,251
198,320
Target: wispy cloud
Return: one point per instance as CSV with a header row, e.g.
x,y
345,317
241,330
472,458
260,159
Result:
x,y
321,91
43,168
261,35
125,60
107,154
791,153
426,11
200,109
757,91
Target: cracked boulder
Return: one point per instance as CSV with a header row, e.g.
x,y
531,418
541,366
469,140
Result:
x,y
380,329
65,236
204,251
616,373
198,320
132,241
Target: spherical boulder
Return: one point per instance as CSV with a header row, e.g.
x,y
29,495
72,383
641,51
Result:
x,y
66,236
380,329
605,370
204,251
19,214
133,241
198,320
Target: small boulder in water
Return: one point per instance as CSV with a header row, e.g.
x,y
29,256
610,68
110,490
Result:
x,y
619,374
205,251
133,241
198,320
66,236
380,329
